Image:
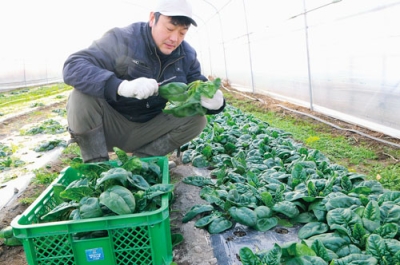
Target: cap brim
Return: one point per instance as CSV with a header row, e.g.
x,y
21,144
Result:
x,y
173,14
192,21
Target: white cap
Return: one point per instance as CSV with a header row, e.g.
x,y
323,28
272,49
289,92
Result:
x,y
172,8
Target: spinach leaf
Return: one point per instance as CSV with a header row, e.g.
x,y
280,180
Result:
x,y
343,220
247,257
311,229
60,212
118,175
206,220
77,190
174,91
138,181
355,259
287,208
219,225
195,210
185,101
371,217
118,199
320,250
199,181
157,190
89,207
243,215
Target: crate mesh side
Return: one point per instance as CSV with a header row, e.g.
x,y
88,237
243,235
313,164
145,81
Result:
x,y
34,216
132,245
53,250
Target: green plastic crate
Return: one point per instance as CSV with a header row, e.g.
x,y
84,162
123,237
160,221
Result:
x,y
142,238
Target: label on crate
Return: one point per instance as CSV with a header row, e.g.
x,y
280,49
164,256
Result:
x,y
94,254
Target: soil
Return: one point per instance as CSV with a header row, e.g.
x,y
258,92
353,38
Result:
x,y
196,247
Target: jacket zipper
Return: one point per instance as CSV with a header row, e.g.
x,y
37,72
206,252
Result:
x,y
159,61
162,70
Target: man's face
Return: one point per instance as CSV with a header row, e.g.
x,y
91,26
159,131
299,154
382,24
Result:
x,y
167,35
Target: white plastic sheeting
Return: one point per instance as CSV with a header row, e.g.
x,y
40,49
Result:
x,y
338,57
37,36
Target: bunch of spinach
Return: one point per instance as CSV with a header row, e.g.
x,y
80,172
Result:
x,y
49,126
261,178
5,150
184,100
124,186
50,145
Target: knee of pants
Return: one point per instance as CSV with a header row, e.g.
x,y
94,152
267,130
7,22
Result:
x,y
83,112
190,129
196,124
201,123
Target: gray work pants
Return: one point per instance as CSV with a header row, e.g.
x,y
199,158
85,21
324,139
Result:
x,y
157,137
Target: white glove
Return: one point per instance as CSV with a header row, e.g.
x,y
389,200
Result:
x,y
213,103
140,88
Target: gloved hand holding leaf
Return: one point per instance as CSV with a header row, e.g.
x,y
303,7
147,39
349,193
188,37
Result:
x,y
186,100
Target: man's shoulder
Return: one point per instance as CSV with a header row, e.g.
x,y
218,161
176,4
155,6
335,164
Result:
x,y
131,27
188,49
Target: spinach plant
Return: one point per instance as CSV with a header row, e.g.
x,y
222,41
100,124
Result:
x,y
184,100
49,126
261,178
50,145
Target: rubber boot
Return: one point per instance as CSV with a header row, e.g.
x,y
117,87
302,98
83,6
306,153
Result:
x,y
92,144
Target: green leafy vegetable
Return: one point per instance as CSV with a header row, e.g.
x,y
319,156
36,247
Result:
x,y
313,228
77,190
185,101
219,225
118,175
50,145
119,200
243,215
195,210
157,190
198,181
89,207
61,211
262,177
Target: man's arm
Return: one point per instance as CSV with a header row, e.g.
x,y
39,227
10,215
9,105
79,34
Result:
x,y
92,70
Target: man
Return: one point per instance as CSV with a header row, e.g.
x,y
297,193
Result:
x,y
115,101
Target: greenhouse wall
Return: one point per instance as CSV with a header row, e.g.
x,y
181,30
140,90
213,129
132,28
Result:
x,y
17,73
336,57
340,58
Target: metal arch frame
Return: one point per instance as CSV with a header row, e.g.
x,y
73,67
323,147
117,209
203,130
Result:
x,y
249,47
222,34
208,41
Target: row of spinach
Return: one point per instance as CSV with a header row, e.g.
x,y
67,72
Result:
x,y
50,126
262,178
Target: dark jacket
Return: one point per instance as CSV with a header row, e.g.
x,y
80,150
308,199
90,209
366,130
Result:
x,y
126,54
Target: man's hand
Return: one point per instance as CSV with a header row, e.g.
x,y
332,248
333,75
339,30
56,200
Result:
x,y
140,88
213,103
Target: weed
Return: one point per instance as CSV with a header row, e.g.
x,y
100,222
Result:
x,y
25,95
27,201
72,150
43,176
